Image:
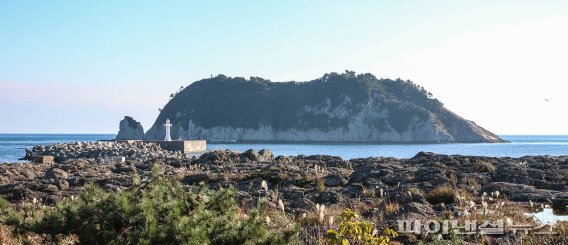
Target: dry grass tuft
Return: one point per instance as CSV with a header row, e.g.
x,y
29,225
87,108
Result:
x,y
441,194
392,208
484,167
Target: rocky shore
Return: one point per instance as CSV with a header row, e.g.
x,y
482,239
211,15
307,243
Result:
x,y
300,181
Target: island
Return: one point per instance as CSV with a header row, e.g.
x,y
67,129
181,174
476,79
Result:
x,y
336,108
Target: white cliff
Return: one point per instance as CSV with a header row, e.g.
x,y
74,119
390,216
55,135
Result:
x,y
358,129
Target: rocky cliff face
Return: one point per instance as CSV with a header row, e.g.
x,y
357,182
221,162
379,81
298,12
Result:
x,y
334,108
130,129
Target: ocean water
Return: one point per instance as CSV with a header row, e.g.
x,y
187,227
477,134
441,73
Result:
x,y
520,145
12,146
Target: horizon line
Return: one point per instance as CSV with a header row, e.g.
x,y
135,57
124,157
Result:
x,y
20,133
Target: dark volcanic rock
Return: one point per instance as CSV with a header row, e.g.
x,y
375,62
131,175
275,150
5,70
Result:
x,y
293,193
560,205
423,210
328,197
334,180
56,173
62,185
250,155
302,203
50,188
195,178
219,157
521,192
300,181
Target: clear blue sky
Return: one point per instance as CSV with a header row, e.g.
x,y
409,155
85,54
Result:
x,y
80,66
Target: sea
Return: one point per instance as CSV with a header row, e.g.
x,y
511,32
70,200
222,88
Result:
x,y
12,146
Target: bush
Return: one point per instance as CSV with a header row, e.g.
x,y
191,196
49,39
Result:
x,y
441,194
3,204
354,231
158,211
484,167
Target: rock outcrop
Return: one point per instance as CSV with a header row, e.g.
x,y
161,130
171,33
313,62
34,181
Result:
x,y
130,129
334,108
301,181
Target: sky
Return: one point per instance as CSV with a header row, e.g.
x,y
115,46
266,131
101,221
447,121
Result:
x,y
81,66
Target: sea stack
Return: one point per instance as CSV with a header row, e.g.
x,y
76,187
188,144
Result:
x,y
130,129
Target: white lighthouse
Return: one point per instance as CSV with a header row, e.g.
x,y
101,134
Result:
x,y
168,125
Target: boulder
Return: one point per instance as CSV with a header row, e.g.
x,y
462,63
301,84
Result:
x,y
250,155
50,188
328,197
283,160
62,184
423,210
560,205
301,203
292,193
195,178
520,192
265,155
56,173
334,180
219,157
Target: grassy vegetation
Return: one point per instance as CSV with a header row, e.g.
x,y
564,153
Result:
x,y
156,211
441,194
484,167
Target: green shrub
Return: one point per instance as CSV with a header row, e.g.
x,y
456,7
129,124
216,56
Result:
x,y
484,167
159,211
3,204
441,194
306,181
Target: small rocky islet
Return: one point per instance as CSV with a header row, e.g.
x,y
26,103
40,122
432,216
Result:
x,y
300,181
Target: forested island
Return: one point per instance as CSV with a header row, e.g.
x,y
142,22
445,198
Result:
x,y
346,107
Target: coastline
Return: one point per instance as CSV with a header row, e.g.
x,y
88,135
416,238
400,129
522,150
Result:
x,y
12,148
381,189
